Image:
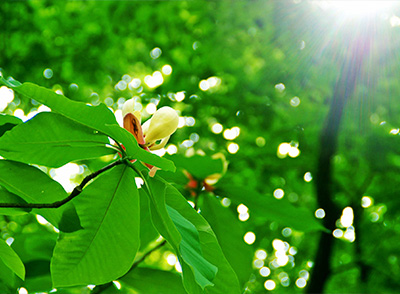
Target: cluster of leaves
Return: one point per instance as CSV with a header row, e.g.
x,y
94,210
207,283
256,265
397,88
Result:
x,y
100,230
89,250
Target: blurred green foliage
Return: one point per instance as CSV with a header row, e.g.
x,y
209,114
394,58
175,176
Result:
x,y
260,56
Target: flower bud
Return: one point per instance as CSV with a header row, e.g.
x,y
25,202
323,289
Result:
x,y
163,124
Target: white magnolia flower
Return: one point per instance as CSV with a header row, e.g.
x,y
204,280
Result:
x,y
155,131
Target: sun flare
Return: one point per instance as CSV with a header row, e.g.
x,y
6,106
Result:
x,y
355,8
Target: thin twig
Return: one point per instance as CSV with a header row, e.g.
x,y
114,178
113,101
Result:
x,y
77,190
140,174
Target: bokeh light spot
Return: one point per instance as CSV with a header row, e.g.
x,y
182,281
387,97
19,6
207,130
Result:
x,y
242,208
261,254
347,217
48,73
244,216
226,202
366,201
155,53
249,238
151,108
269,285
294,152
6,97
135,83
295,101
260,141
280,87
22,290
301,283
180,96
307,177
279,193
233,148
320,213
154,80
258,263
217,128
166,69
286,232
204,85
265,271
117,285
338,233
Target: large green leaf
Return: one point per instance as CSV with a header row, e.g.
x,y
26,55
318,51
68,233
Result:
x,y
204,267
11,259
53,140
96,117
267,207
169,231
226,280
229,232
7,122
33,186
153,281
105,249
190,249
147,231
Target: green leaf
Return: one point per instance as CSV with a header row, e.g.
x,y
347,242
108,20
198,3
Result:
x,y
204,267
198,166
226,280
167,228
5,118
11,259
105,249
53,140
69,221
229,232
34,186
190,249
267,207
153,281
7,197
147,231
7,122
96,117
8,280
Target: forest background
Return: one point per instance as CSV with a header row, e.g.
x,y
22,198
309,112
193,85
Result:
x,y
297,99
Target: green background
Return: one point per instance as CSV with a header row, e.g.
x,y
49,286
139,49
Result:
x,y
95,48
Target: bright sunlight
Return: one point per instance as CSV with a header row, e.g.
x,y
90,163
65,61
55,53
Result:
x,y
356,9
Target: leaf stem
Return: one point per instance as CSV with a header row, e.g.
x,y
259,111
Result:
x,y
140,174
77,190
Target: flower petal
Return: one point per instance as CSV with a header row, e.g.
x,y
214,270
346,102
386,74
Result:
x,y
163,123
132,124
156,146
